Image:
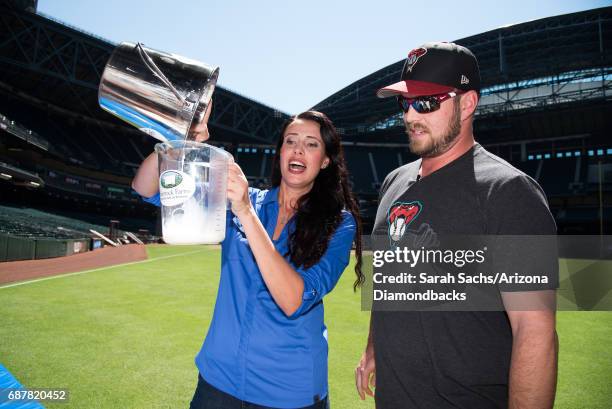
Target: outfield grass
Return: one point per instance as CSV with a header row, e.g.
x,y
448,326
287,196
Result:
x,y
126,336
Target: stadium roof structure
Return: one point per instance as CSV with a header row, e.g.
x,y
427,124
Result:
x,y
551,62
545,67
51,64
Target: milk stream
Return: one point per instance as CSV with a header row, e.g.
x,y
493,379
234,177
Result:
x,y
191,223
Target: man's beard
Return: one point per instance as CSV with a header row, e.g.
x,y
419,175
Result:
x,y
434,146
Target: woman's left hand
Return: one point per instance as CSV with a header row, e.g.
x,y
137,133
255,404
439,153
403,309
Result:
x,y
238,190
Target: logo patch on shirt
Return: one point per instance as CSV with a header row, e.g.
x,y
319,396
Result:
x,y
400,216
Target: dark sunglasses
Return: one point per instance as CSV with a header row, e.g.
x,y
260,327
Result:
x,y
424,104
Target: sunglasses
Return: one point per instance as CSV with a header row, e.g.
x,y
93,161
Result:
x,y
424,104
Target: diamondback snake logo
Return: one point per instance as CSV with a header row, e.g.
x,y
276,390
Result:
x,y
400,216
413,57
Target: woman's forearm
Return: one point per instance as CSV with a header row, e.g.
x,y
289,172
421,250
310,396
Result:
x,y
284,283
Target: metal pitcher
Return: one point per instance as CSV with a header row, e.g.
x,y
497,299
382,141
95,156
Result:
x,y
164,95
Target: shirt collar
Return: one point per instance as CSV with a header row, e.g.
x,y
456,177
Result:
x,y
272,196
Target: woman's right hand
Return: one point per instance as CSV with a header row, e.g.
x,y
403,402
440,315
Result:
x,y
200,132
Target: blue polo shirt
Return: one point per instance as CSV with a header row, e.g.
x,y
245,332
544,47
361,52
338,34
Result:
x,y
253,351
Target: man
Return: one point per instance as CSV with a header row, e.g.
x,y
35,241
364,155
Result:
x,y
457,359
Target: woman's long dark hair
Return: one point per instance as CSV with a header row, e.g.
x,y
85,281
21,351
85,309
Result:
x,y
319,212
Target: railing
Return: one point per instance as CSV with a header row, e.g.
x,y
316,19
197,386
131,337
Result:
x,y
22,132
91,187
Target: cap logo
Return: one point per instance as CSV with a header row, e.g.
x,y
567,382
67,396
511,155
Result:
x,y
413,57
464,80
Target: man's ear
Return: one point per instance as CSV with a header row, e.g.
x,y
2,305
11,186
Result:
x,y
468,103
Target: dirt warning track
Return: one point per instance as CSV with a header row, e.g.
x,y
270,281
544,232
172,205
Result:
x,y
14,271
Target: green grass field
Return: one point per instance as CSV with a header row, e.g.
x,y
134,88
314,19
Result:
x,y
126,336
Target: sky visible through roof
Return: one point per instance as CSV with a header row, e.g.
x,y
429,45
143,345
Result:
x,y
289,54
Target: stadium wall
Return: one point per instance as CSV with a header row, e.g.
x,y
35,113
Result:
x,y
14,248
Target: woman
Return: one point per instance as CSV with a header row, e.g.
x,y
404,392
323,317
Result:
x,y
284,249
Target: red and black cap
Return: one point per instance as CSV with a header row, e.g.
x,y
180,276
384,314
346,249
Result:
x,y
436,68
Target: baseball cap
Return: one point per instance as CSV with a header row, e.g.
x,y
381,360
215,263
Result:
x,y
436,68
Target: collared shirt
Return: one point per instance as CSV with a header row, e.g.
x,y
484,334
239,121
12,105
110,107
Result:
x,y
253,351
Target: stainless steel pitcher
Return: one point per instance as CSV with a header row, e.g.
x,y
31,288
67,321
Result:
x,y
164,95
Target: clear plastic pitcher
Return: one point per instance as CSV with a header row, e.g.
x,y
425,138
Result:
x,y
193,192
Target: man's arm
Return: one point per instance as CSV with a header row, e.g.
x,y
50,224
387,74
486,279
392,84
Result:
x,y
365,373
533,367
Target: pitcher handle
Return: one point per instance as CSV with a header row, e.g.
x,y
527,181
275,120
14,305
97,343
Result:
x,y
148,62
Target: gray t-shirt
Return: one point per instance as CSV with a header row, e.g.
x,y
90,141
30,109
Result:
x,y
451,359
